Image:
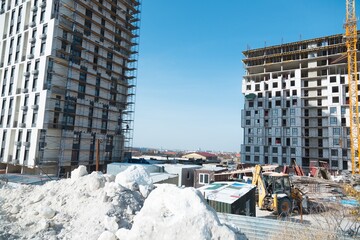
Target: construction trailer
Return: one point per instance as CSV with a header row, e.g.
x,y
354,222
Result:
x,y
231,197
206,175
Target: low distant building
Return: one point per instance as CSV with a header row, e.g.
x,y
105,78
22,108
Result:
x,y
185,172
231,197
205,156
206,174
153,159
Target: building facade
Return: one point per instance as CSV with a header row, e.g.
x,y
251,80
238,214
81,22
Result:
x,y
297,104
68,78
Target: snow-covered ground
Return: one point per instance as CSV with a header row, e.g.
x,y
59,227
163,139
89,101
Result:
x,y
106,207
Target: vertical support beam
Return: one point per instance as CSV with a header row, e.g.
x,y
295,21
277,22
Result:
x,y
97,154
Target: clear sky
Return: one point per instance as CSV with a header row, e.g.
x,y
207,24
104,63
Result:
x,y
190,64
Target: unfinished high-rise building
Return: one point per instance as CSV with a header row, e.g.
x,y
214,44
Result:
x,y
297,104
68,78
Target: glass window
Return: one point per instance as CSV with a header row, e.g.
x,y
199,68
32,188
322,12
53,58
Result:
x,y
204,178
277,131
287,131
292,121
294,131
343,110
333,120
334,152
332,110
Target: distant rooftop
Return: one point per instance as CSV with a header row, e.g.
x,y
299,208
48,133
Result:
x,y
213,167
159,177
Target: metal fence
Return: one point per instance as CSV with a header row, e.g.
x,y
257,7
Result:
x,y
256,228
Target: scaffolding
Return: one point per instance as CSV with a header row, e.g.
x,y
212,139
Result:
x,y
118,85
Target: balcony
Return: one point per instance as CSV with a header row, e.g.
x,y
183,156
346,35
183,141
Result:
x,y
35,107
32,24
22,125
24,90
42,4
30,56
34,8
26,144
43,36
35,72
32,40
24,108
18,143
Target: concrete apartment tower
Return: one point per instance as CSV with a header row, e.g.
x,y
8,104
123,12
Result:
x,y
297,104
68,71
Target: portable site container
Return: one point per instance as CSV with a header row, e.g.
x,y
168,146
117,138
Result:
x,y
231,197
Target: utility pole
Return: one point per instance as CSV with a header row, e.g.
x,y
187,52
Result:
x,y
97,154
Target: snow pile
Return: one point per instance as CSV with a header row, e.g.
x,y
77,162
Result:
x,y
79,172
173,213
136,178
104,207
82,207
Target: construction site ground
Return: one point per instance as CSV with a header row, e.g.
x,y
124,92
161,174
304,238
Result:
x,y
326,221
329,206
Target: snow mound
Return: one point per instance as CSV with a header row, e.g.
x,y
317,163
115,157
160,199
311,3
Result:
x,y
83,207
101,207
173,213
136,178
79,172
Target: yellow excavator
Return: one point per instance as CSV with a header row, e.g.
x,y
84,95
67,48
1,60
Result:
x,y
275,193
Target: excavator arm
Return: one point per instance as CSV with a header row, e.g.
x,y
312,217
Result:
x,y
259,182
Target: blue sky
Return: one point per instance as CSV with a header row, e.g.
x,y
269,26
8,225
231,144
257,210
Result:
x,y
190,64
